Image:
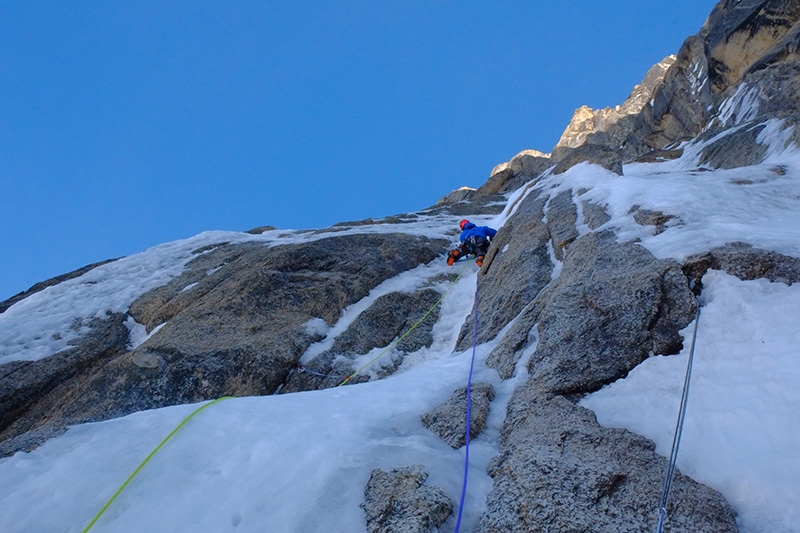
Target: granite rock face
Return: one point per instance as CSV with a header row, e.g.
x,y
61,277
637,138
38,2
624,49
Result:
x,y
523,167
587,121
35,394
612,305
560,471
745,35
508,263
741,57
399,502
234,323
403,319
449,420
743,261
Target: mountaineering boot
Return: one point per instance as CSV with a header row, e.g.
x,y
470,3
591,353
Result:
x,y
453,256
479,260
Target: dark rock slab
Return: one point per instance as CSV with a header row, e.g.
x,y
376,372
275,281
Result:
x,y
562,215
743,261
739,148
235,325
34,394
399,502
607,157
613,305
594,215
394,315
449,420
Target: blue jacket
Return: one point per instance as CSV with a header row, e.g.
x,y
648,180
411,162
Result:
x,y
471,230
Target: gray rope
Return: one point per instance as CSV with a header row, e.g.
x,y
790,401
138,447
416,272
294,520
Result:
x,y
676,440
305,370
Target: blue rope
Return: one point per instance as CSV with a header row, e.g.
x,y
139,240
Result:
x,y
676,440
469,411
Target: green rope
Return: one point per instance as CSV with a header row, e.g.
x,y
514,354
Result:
x,y
147,459
185,420
412,328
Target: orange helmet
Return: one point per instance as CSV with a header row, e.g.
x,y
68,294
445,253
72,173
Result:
x,y
463,223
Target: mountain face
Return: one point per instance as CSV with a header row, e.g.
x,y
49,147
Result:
x,y
566,297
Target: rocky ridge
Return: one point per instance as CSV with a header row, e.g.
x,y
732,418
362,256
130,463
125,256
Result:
x,y
587,121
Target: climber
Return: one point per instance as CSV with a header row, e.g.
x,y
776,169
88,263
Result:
x,y
475,240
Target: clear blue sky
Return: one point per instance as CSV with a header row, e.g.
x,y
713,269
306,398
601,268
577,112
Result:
x,y
127,124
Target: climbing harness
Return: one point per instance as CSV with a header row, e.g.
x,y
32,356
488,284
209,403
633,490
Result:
x,y
147,459
412,328
676,440
469,411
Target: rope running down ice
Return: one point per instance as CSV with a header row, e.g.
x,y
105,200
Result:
x,y
676,440
147,459
469,412
347,378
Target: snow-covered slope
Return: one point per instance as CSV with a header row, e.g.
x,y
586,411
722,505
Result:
x,y
299,462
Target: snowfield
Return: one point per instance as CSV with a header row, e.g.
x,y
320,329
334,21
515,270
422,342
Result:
x,y
300,462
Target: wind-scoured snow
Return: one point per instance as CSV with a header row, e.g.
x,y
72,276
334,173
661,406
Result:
x,y
299,462
754,205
